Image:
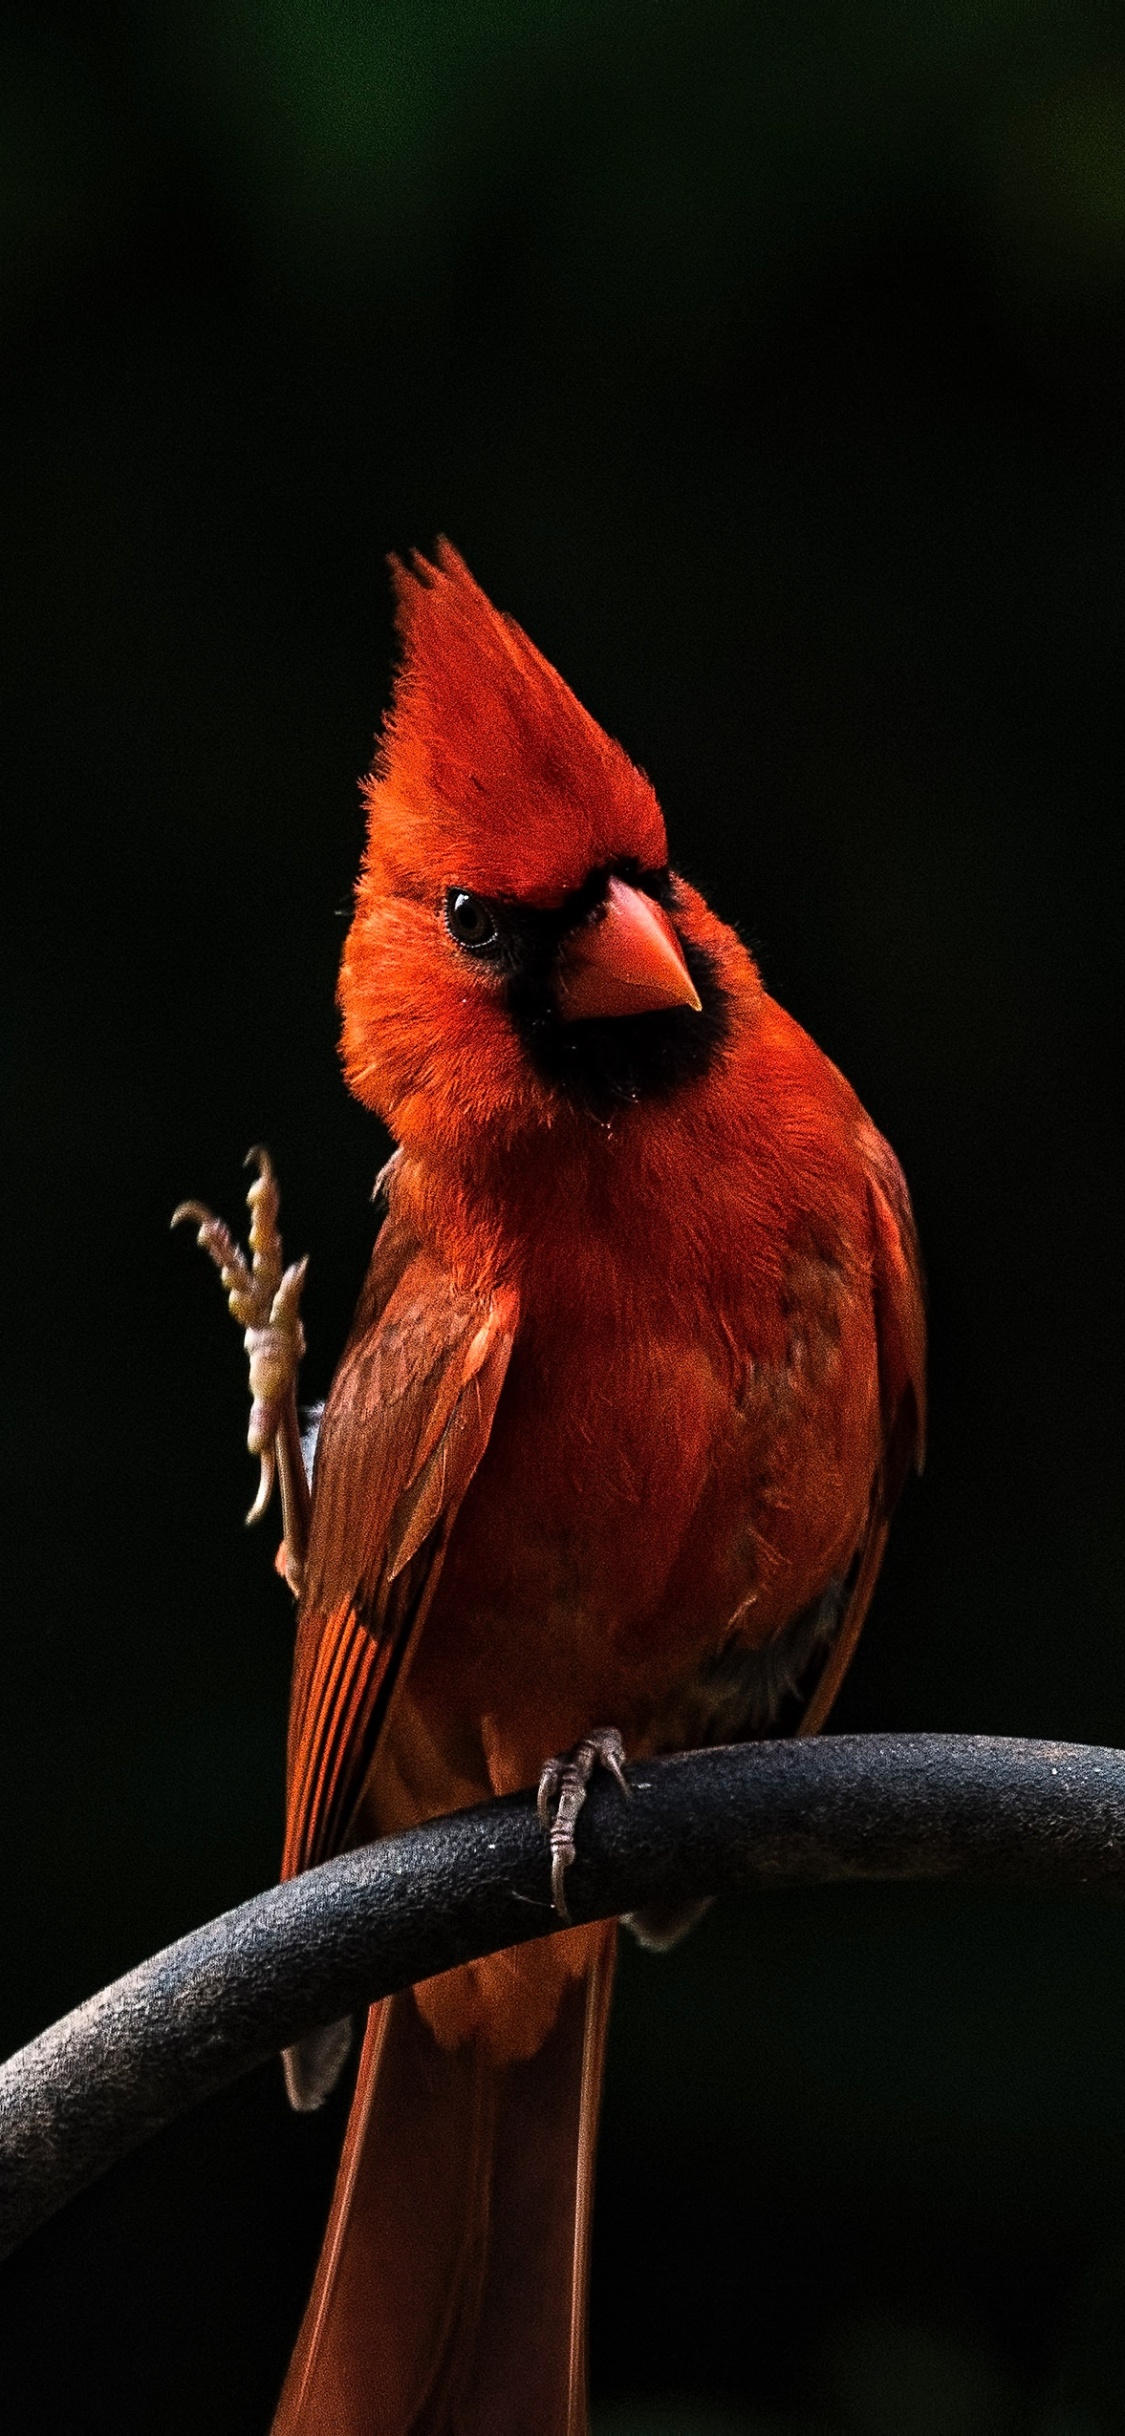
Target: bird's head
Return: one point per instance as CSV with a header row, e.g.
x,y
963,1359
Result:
x,y
519,945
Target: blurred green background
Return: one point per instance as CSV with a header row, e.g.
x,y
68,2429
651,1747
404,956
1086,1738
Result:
x,y
767,362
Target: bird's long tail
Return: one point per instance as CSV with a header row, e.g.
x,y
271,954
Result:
x,y
450,2298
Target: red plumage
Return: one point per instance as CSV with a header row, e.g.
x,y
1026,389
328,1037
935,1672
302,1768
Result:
x,y
630,1394
490,774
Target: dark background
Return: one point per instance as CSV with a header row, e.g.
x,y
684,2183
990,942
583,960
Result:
x,y
766,361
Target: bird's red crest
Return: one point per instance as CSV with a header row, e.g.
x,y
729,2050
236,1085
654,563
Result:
x,y
490,774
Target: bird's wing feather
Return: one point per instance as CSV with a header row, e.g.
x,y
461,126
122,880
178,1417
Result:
x,y
898,1297
900,1315
405,1426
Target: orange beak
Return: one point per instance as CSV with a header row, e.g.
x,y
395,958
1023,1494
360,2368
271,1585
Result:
x,y
627,960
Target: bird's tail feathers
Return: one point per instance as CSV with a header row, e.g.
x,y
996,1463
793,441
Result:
x,y
450,2295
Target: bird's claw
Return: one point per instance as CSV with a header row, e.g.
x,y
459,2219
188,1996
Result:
x,y
563,1784
265,1299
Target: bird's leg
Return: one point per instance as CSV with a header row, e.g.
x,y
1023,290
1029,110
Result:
x,y
563,1784
265,1298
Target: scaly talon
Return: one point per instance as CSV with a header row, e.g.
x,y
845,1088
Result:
x,y
264,1297
263,1201
563,1781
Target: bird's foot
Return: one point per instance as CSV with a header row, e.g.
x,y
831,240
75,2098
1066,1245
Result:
x,y
562,1791
265,1299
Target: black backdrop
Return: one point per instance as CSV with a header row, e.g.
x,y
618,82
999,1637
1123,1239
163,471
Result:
x,y
767,363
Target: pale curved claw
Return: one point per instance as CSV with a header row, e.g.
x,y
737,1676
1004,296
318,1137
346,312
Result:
x,y
266,1479
563,1782
215,1238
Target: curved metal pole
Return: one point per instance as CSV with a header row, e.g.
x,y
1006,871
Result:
x,y
212,2006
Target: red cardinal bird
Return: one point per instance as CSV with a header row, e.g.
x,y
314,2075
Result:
x,y
633,1385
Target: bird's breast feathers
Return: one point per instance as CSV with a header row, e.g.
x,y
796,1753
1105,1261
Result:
x,y
668,1476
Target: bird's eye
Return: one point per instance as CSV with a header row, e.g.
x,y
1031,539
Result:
x,y
469,920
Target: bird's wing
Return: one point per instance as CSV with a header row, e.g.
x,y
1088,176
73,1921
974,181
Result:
x,y
404,1428
898,1295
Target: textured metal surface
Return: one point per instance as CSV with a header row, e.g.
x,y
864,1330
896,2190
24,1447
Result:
x,y
777,1814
